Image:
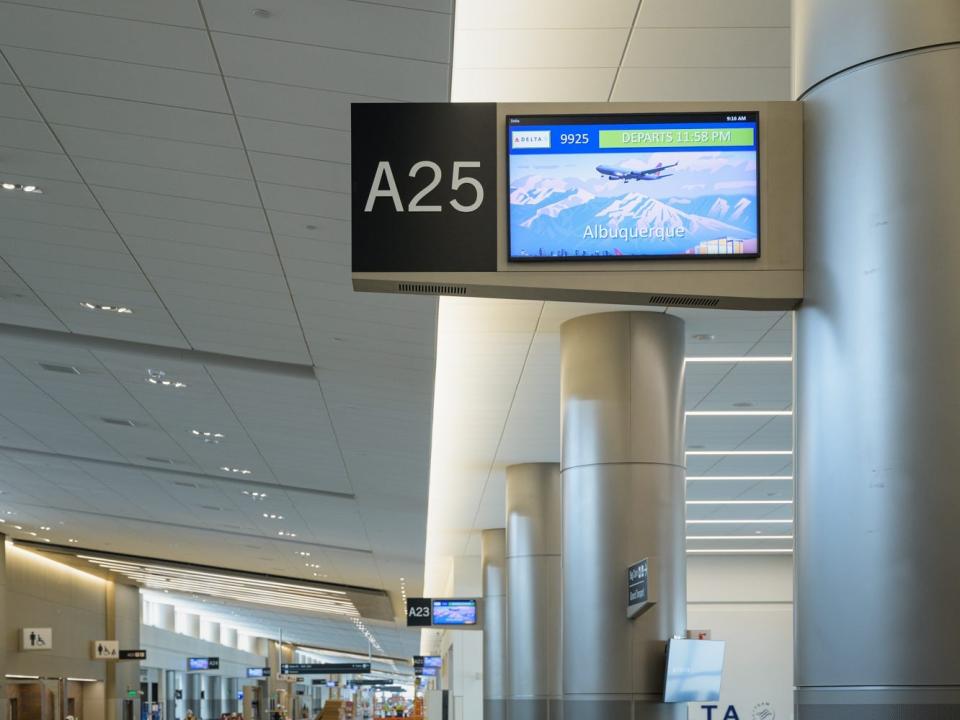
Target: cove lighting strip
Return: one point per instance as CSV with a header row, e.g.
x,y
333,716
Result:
x,y
739,413
252,590
745,359
765,521
739,452
739,502
739,551
739,537
740,477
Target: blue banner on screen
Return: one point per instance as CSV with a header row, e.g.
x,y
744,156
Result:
x,y
454,612
633,186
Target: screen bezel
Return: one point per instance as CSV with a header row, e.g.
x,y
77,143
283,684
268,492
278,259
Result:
x,y
607,118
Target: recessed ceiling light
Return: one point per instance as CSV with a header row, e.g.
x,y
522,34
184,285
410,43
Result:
x,y
159,377
22,188
739,537
72,541
704,337
273,516
119,421
736,359
208,436
253,494
284,533
237,471
119,309
743,404
262,13
313,565
303,553
46,527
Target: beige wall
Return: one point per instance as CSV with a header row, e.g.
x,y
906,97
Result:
x,y
42,593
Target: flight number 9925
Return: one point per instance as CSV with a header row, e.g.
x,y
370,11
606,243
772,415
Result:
x,y
384,185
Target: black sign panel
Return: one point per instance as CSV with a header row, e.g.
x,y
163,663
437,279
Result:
x,y
324,668
178,694
637,595
419,612
133,655
424,195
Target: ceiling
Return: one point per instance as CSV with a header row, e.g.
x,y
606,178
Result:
x,y
497,397
193,158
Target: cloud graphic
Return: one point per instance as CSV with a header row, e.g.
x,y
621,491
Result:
x,y
735,185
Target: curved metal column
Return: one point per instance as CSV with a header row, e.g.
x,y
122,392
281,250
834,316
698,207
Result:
x,y
492,551
877,574
623,500
534,590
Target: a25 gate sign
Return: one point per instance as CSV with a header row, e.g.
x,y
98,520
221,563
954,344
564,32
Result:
x,y
424,195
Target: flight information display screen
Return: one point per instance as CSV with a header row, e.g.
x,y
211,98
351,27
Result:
x,y
454,612
631,187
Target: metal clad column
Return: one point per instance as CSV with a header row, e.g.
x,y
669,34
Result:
x,y
534,590
623,500
878,340
492,551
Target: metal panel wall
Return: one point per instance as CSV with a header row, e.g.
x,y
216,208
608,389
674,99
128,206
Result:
x,y
495,679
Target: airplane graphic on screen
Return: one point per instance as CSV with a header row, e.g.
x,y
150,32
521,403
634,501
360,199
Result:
x,y
626,174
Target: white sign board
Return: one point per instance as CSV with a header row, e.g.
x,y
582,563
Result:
x,y
36,639
105,649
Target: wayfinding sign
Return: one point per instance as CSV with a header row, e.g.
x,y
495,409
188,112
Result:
x,y
324,668
444,612
638,592
424,187
419,612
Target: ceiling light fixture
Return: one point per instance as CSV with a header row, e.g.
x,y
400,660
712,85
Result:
x,y
33,189
119,309
764,521
237,471
739,502
159,377
739,452
272,516
303,553
704,337
753,478
208,436
252,494
739,537
283,533
744,359
738,413
72,541
46,527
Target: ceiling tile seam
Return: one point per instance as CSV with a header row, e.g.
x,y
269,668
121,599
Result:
x,y
118,61
344,163
63,407
333,548
192,198
163,487
266,214
124,133
494,458
392,5
129,236
78,499
77,170
46,199
335,48
117,98
34,6
78,461
297,86
35,294
245,178
623,54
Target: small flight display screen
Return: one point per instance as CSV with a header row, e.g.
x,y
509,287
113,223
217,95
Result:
x,y
454,612
629,187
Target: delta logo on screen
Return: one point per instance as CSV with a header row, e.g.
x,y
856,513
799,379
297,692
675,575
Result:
x,y
539,139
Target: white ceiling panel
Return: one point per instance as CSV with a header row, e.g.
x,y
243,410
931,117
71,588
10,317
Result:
x,y
534,85
27,134
544,14
709,14
540,48
366,27
301,172
292,104
172,12
136,118
116,79
751,83
108,38
731,47
211,160
296,140
23,165
14,103
321,68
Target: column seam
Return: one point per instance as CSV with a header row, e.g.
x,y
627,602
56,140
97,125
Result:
x,y
876,60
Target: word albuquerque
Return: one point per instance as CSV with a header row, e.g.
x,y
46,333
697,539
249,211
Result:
x,y
601,232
